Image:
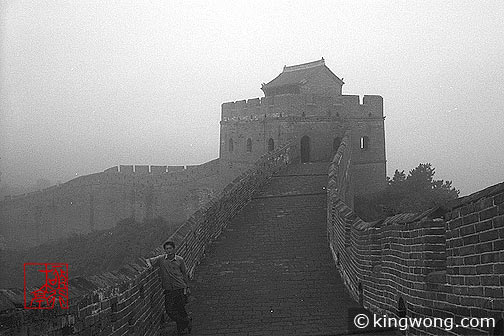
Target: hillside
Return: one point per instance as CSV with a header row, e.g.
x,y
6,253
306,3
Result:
x,y
89,254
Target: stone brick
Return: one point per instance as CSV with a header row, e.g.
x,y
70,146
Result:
x,y
484,203
475,291
498,245
469,208
498,199
468,229
455,223
483,247
490,280
498,222
473,280
467,270
472,260
483,225
494,292
472,218
489,257
488,236
488,213
499,268
472,239
484,269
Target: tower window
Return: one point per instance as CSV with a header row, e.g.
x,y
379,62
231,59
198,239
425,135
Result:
x,y
271,145
231,145
364,143
249,145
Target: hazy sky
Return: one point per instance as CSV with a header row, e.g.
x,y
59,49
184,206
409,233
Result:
x,y
86,85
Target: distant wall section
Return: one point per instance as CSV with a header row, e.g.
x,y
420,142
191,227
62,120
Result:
x,y
98,201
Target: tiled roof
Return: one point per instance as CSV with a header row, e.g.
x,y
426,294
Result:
x,y
299,74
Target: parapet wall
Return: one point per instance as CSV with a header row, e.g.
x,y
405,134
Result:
x,y
130,301
303,105
100,200
445,262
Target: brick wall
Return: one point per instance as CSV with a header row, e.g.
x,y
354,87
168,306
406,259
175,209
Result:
x,y
98,201
445,262
130,301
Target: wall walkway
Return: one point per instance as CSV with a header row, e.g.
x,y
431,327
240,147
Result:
x,y
130,300
270,272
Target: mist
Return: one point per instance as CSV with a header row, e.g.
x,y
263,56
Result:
x,y
88,85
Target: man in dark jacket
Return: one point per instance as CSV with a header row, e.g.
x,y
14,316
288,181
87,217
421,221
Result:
x,y
175,282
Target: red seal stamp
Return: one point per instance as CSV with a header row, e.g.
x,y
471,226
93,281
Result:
x,y
53,280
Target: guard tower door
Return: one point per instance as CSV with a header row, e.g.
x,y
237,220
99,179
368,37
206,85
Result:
x,y
305,149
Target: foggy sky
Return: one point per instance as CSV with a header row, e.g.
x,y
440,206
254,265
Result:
x,y
86,85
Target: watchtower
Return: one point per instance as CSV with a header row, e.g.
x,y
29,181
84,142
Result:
x,y
305,102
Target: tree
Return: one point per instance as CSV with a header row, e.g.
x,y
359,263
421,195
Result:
x,y
416,192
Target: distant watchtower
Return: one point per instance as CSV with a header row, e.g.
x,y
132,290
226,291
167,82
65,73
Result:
x,y
305,102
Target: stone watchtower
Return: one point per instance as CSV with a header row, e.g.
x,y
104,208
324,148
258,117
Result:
x,y
305,102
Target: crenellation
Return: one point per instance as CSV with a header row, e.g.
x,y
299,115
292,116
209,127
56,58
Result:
x,y
171,169
142,169
351,105
227,110
303,105
158,170
374,105
253,103
126,169
240,105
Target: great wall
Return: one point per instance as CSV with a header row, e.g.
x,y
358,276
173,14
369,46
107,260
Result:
x,y
445,262
98,201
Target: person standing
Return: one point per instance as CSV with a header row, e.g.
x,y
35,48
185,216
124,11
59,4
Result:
x,y
175,282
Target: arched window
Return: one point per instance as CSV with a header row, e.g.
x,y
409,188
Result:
x,y
249,145
364,143
271,145
336,143
231,145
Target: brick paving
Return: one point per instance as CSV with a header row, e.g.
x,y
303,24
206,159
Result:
x,y
271,272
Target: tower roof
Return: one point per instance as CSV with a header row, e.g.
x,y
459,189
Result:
x,y
300,74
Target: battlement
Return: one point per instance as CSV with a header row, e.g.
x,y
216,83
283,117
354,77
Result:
x,y
303,105
154,169
442,262
107,303
143,169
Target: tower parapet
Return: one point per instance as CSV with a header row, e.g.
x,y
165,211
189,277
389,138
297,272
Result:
x,y
303,105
